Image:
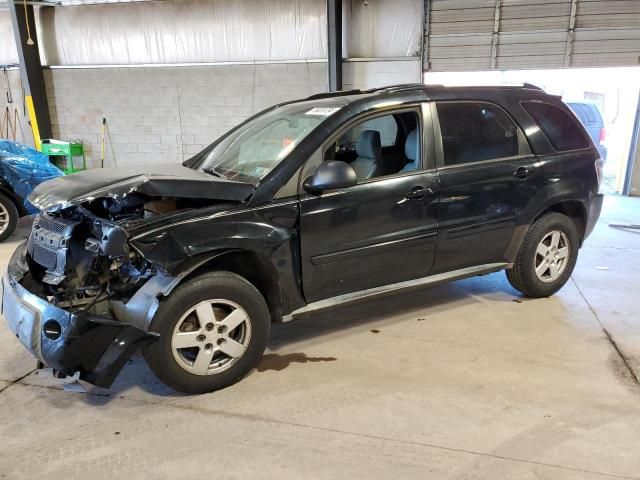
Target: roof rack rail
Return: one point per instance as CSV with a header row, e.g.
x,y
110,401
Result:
x,y
387,89
339,93
397,88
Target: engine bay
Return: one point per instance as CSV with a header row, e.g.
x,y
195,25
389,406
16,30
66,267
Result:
x,y
79,257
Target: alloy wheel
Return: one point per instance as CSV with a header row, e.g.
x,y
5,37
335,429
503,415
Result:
x,y
4,218
211,336
552,256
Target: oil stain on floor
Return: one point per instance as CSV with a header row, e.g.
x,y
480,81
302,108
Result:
x,y
275,362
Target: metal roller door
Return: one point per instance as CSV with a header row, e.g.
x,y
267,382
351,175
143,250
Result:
x,y
519,34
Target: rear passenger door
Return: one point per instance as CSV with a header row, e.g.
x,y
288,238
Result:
x,y
488,176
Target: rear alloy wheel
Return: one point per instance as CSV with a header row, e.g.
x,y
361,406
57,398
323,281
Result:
x,y
213,331
8,217
552,256
547,256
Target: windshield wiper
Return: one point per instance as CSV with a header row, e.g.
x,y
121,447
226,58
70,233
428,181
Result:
x,y
214,172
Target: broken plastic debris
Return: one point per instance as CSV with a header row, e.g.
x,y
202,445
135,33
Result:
x,y
45,372
74,387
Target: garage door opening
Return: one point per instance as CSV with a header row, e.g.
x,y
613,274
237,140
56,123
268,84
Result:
x,y
604,99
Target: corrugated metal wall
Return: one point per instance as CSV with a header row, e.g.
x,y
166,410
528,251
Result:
x,y
520,34
201,31
462,34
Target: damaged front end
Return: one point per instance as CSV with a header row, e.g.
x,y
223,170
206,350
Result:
x,y
77,295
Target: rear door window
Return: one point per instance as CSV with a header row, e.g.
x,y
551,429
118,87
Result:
x,y
561,130
474,131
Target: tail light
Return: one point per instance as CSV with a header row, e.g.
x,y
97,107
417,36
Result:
x,y
603,135
599,173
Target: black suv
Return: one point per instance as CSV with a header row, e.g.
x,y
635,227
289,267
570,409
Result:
x,y
305,206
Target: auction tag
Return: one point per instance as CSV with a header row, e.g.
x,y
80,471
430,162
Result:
x,y
323,111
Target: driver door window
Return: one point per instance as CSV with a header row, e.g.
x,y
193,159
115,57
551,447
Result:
x,y
380,146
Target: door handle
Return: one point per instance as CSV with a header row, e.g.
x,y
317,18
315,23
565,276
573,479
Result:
x,y
416,193
522,172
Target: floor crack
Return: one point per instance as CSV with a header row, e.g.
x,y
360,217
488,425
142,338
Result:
x,y
17,380
610,338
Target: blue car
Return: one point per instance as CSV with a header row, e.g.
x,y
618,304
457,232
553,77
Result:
x,y
21,170
590,117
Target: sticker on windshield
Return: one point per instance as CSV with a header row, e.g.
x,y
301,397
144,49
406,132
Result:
x,y
322,111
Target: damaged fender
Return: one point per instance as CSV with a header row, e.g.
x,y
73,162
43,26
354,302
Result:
x,y
140,309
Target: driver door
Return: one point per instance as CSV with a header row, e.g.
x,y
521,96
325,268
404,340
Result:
x,y
380,231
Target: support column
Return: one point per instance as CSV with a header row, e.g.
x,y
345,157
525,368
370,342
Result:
x,y
570,34
631,185
426,32
334,42
496,30
31,70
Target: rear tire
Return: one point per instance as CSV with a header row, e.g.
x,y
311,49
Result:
x,y
213,331
546,257
8,217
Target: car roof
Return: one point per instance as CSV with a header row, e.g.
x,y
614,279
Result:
x,y
420,92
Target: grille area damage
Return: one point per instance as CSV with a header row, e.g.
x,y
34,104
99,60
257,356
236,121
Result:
x,y
79,255
79,258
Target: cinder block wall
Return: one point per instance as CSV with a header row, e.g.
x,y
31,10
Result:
x,y
380,73
167,114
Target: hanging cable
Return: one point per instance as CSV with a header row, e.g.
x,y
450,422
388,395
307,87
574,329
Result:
x,y
26,20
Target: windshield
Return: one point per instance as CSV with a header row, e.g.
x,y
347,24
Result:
x,y
253,150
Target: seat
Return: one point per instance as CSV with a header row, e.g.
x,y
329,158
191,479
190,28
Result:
x,y
411,152
369,151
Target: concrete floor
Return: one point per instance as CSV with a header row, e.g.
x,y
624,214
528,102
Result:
x,y
466,380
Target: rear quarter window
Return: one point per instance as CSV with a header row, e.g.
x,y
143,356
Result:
x,y
562,131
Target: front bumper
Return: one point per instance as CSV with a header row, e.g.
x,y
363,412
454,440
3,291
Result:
x,y
97,347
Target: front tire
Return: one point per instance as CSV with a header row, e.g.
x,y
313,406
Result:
x,y
8,217
213,331
546,257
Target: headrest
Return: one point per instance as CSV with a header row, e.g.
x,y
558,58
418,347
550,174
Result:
x,y
411,145
369,145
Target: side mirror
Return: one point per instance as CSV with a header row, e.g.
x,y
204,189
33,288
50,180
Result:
x,y
330,176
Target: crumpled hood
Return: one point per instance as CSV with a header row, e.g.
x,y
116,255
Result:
x,y
169,180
